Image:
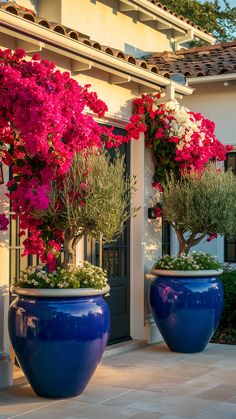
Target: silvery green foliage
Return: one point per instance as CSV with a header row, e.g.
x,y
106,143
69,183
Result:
x,y
106,206
200,204
93,199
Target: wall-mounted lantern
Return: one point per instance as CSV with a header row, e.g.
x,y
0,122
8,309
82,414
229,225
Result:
x,y
152,213
155,212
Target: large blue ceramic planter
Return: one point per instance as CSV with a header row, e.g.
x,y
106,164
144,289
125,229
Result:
x,y
187,307
59,337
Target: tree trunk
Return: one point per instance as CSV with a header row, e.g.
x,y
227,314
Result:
x,y
183,244
69,250
100,252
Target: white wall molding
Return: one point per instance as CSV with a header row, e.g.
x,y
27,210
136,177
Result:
x,y
136,248
5,361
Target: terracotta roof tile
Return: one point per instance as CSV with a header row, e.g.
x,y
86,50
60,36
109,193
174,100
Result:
x,y
27,14
208,60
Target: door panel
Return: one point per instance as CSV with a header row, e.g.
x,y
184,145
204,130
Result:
x,y
116,261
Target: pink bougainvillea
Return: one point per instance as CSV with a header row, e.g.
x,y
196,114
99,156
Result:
x,y
179,139
3,222
42,124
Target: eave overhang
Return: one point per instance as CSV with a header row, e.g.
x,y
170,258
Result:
x,y
165,20
34,38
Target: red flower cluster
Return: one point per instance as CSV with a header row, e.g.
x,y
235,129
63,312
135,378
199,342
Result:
x,y
211,237
42,125
3,222
179,139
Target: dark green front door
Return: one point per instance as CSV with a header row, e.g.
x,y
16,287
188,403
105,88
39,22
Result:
x,y
116,261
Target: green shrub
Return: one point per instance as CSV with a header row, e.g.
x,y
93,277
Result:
x,y
226,331
228,279
200,204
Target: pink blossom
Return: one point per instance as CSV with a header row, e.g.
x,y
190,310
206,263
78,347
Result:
x,y
211,237
158,212
158,186
42,124
3,222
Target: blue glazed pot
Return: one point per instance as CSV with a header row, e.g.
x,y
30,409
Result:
x,y
59,337
187,307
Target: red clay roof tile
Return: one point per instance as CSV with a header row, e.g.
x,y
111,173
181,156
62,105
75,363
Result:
x,y
198,61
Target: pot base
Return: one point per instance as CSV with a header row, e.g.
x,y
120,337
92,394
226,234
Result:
x,y
59,341
186,310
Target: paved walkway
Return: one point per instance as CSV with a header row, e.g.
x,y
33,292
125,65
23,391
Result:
x,y
148,382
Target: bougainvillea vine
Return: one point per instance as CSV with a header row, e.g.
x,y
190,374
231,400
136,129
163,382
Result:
x,y
179,139
42,124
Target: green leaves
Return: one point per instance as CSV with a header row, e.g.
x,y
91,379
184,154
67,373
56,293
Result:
x,y
215,17
201,204
93,198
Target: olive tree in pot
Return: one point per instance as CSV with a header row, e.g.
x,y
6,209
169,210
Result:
x,y
62,187
187,296
64,321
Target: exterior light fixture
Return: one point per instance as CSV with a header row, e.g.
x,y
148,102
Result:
x,y
1,174
152,213
155,212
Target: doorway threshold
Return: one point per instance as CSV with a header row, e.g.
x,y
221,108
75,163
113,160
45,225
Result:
x,y
121,347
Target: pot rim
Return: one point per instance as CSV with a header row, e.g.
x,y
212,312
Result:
x,y
194,274
60,292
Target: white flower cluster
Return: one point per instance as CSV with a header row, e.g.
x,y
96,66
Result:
x,y
183,125
194,262
86,276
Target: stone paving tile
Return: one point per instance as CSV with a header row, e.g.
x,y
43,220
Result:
x,y
129,397
221,411
174,405
102,393
19,399
221,393
224,377
145,415
129,378
148,383
68,409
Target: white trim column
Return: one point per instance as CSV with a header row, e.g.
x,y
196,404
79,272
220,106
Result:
x,y
6,377
152,246
145,245
136,240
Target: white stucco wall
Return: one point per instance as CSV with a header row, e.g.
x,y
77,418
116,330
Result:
x,y
102,21
152,247
106,25
145,243
218,103
5,361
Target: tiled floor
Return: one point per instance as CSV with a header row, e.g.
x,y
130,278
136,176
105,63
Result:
x,y
148,382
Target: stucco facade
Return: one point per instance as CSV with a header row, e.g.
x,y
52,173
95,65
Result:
x,y
216,101
117,83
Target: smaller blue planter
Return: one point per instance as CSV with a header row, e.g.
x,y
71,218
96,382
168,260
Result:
x,y
59,337
187,307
